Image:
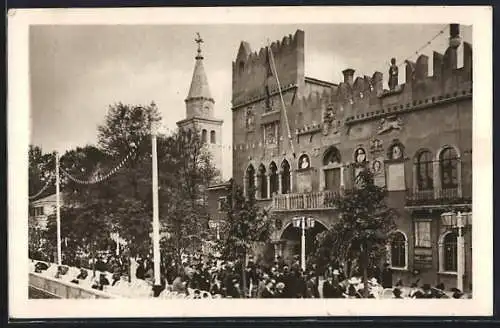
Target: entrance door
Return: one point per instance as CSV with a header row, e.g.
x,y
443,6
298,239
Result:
x,y
332,179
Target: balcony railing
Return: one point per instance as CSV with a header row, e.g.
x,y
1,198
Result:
x,y
303,201
437,196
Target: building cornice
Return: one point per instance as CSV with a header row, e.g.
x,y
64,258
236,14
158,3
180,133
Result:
x,y
197,119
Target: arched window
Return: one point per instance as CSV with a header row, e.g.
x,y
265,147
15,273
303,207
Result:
x,y
273,178
450,252
424,170
448,163
250,174
263,181
212,136
332,156
204,137
241,67
285,177
398,250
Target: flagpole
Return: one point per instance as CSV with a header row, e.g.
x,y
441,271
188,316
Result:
x,y
58,212
156,220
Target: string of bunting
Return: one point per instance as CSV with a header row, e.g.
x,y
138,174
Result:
x,y
47,184
100,178
428,43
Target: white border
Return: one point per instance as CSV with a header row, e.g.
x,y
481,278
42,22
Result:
x,y
18,139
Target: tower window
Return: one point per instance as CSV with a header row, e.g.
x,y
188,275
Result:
x,y
212,136
204,135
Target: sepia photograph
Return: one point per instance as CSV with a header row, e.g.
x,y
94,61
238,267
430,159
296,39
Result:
x,y
190,160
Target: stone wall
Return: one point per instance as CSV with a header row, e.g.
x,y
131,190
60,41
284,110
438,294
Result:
x,y
61,289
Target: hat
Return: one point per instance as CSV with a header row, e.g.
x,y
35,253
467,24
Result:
x,y
373,281
336,272
354,281
396,292
280,285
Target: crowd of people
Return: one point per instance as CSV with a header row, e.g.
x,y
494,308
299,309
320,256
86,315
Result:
x,y
202,276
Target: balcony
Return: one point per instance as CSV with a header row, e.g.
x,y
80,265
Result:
x,y
436,197
303,201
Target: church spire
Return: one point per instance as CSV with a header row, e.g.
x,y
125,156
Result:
x,y
199,102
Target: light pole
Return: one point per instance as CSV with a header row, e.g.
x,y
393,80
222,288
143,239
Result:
x,y
213,224
303,223
58,211
459,221
156,219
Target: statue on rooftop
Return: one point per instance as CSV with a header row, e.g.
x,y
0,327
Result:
x,y
393,75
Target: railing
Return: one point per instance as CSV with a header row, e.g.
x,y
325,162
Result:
x,y
437,196
304,201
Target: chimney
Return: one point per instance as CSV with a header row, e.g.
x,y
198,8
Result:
x,y
348,76
455,39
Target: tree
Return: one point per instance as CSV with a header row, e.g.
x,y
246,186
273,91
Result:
x,y
40,168
245,225
187,172
363,229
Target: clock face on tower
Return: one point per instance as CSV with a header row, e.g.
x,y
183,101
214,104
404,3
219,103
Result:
x,y
205,110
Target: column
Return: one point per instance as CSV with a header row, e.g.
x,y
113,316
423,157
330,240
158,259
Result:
x,y
268,177
291,181
460,259
245,185
303,244
280,181
342,185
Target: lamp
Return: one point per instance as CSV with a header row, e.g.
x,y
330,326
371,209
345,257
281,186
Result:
x,y
459,221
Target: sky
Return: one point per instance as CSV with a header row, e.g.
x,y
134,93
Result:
x,y
77,71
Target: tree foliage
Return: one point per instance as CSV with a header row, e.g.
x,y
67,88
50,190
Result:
x,y
245,223
40,167
123,202
364,227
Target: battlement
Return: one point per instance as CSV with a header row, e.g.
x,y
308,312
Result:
x,y
364,98
252,69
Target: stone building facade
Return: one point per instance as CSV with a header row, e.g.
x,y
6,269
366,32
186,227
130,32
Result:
x,y
297,140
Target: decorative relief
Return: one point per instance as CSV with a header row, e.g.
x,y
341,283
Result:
x,y
376,145
304,162
271,134
249,120
316,151
330,122
360,156
389,124
396,151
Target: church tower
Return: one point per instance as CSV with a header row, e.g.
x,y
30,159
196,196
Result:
x,y
200,110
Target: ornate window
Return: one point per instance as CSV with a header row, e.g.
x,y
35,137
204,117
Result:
x,y
285,177
423,234
204,136
250,177
263,181
332,156
424,170
273,178
448,165
448,252
399,250
212,136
